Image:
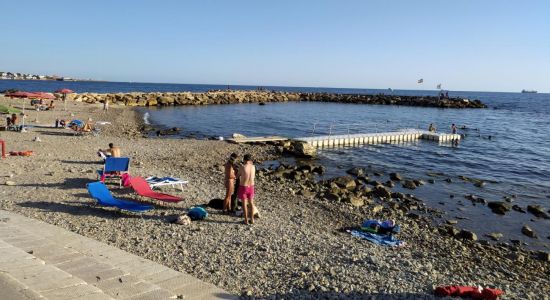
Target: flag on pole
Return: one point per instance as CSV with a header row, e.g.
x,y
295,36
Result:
x,y
439,86
420,80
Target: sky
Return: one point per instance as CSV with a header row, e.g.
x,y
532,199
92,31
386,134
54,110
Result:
x,y
468,45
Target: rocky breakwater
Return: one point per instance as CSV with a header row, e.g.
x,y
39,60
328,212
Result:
x,y
382,99
262,97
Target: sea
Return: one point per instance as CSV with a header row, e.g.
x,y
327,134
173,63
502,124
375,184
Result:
x,y
506,145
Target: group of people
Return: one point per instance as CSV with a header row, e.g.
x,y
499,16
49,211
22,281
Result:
x,y
239,183
12,122
41,105
432,128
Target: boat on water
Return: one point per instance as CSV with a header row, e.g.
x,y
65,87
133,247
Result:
x,y
529,91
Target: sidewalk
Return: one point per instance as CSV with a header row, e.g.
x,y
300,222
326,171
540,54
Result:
x,y
42,261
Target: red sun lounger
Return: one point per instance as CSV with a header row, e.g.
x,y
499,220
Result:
x,y
142,188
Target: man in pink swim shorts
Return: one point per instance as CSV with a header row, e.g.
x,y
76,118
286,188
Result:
x,y
247,173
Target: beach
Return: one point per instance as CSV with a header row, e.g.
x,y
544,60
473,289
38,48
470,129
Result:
x,y
297,249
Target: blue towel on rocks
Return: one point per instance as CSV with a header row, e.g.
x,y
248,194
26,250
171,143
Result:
x,y
379,239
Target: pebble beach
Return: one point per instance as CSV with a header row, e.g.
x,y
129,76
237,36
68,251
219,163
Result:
x,y
298,249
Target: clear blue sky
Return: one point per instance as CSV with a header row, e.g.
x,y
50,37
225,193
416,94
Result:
x,y
484,45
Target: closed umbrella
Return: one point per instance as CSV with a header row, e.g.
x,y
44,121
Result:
x,y
64,92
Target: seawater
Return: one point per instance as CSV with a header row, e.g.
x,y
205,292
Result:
x,y
507,144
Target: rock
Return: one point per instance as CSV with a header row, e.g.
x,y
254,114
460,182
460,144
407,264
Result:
x,y
395,176
516,257
452,222
448,180
499,207
304,149
413,216
538,211
356,171
467,235
518,208
377,208
526,230
332,197
356,201
346,182
431,181
389,184
183,220
495,236
238,136
544,256
10,183
409,184
381,191
479,184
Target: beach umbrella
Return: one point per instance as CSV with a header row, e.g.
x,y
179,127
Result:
x,y
19,94
41,95
64,92
9,110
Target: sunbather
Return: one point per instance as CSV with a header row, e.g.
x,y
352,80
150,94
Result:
x,y
230,177
112,151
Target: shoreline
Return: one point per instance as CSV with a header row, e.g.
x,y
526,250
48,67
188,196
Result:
x,y
296,250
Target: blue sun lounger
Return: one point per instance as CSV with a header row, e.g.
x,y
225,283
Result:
x,y
99,192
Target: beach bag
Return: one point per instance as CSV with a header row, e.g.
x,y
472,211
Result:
x,y
197,213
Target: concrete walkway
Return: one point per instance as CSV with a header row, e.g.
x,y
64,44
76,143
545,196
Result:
x,y
42,261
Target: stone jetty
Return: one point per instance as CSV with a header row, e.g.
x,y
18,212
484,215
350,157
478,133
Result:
x,y
262,97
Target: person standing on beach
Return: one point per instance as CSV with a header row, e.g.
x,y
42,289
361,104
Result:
x,y
230,178
106,105
247,174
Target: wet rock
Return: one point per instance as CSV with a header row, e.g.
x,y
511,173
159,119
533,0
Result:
x,y
479,184
452,222
448,180
467,235
356,171
538,211
518,209
389,184
544,256
499,207
495,236
304,149
395,176
409,184
528,231
381,191
431,181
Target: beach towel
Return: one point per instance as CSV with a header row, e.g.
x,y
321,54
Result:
x,y
468,291
197,213
379,239
385,227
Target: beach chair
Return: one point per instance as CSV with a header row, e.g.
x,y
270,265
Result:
x,y
142,188
103,196
114,168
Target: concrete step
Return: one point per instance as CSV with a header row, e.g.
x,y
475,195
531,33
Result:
x,y
65,264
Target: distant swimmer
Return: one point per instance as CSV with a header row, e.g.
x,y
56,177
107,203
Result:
x,y
453,129
431,128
